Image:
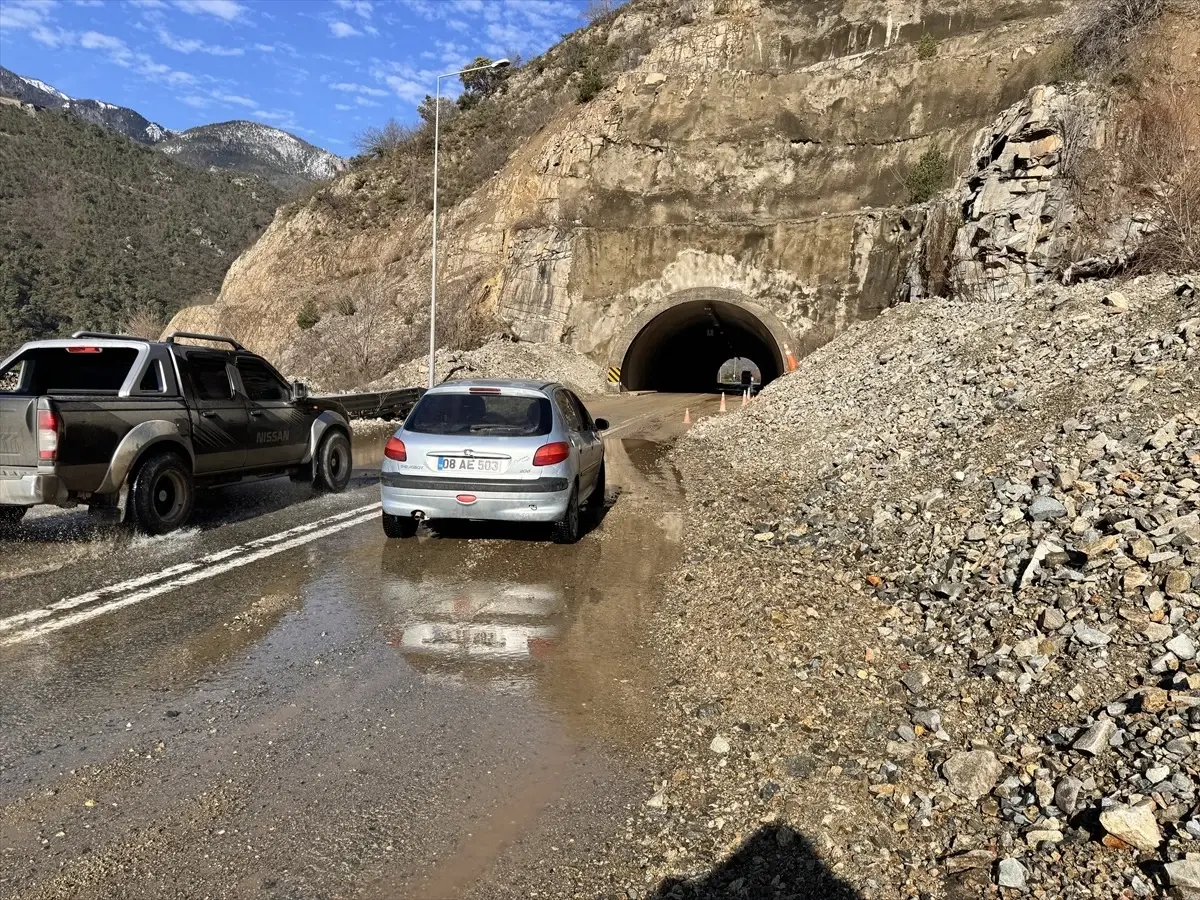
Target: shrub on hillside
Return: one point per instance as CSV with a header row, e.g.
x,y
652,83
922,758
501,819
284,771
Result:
x,y
590,85
1164,162
308,316
1104,28
927,48
930,175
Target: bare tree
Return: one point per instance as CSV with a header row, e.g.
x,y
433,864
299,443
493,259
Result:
x,y
1165,165
145,322
380,140
597,10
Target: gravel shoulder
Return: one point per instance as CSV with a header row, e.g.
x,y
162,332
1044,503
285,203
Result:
x,y
934,633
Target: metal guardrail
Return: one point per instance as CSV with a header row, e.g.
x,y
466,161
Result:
x,y
377,405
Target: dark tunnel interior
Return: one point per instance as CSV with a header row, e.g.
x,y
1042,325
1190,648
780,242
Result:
x,y
682,348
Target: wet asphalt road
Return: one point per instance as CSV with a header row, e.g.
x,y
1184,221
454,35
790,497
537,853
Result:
x,y
278,702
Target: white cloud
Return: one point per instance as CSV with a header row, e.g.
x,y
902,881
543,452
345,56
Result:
x,y
265,48
343,107
143,64
363,101
361,7
196,101
94,40
236,100
149,4
89,2
191,45
351,88
343,29
407,88
33,16
222,9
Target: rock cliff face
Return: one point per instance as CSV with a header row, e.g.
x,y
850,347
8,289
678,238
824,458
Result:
x,y
757,153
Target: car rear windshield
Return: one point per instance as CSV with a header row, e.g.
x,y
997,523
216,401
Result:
x,y
54,370
503,415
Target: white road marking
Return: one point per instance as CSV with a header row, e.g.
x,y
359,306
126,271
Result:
x,y
181,575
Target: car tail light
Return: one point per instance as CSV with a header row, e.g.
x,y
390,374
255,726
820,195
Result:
x,y
482,390
47,435
549,454
396,450
85,349
466,498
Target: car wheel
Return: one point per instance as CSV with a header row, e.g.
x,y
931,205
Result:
x,y
399,526
333,463
566,529
10,516
596,500
162,495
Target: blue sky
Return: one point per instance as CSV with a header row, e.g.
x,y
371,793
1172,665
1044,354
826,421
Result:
x,y
322,69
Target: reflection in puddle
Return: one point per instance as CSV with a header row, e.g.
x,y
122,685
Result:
x,y
493,631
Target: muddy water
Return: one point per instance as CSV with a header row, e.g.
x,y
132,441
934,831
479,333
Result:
x,y
369,718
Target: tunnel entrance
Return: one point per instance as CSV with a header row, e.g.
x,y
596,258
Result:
x,y
683,348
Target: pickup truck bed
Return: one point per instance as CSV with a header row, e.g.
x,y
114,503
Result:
x,y
82,419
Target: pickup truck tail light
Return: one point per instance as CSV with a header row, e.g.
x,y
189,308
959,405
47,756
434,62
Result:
x,y
550,454
48,426
395,449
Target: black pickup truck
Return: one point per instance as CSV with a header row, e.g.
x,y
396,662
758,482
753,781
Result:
x,y
133,427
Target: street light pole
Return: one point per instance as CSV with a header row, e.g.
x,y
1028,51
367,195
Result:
x,y
437,121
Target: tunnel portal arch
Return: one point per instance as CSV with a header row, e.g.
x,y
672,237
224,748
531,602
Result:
x,y
680,343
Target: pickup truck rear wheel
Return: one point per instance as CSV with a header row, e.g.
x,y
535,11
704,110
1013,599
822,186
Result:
x,y
10,516
162,494
333,463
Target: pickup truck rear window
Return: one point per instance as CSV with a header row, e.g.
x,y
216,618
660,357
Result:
x,y
55,370
495,414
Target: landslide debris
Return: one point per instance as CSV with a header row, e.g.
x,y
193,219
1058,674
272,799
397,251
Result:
x,y
939,606
503,358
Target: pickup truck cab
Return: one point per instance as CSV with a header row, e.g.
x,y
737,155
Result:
x,y
133,427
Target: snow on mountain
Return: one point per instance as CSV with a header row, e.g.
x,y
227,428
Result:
x,y
116,118
42,86
277,156
280,157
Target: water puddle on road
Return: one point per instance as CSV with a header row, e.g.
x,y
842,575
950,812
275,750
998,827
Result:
x,y
556,630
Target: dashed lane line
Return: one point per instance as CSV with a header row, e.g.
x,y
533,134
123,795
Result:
x,y
178,576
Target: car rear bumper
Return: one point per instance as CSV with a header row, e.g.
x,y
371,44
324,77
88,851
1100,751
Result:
x,y
29,490
540,500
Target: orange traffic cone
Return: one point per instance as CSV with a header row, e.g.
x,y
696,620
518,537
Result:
x,y
722,401
687,416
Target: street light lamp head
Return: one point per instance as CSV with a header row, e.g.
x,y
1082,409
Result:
x,y
501,63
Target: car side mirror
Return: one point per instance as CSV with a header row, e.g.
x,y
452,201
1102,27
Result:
x,y
299,391
601,424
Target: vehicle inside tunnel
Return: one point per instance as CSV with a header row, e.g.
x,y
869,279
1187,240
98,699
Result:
x,y
683,348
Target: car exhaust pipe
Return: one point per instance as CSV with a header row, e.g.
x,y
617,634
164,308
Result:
x,y
418,515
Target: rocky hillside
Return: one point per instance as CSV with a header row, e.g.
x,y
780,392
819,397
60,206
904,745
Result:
x,y
96,229
120,119
938,620
239,146
759,148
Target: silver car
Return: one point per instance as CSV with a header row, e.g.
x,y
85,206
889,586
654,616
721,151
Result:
x,y
509,451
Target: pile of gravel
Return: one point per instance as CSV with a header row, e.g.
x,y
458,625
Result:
x,y
503,358
938,614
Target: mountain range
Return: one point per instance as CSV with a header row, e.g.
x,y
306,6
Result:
x,y
281,158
